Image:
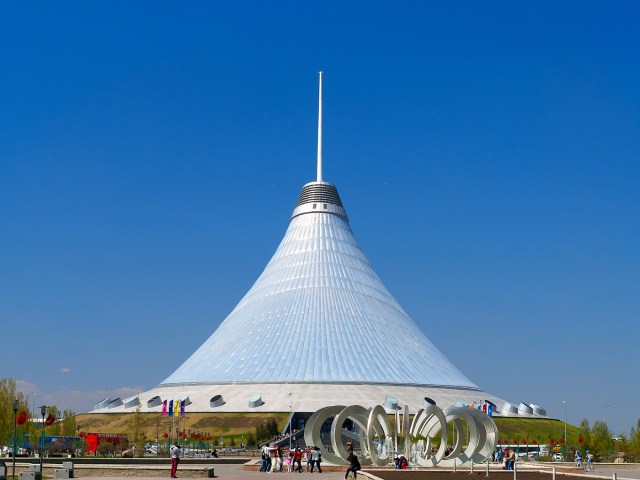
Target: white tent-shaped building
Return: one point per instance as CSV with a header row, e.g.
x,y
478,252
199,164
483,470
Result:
x,y
317,328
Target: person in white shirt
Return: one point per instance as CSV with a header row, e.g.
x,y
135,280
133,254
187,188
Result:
x,y
175,458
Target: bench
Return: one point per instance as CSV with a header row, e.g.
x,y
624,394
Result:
x,y
34,473
65,472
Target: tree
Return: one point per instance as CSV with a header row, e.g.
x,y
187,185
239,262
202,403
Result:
x,y
585,431
68,423
56,427
156,424
600,440
136,431
267,430
584,427
105,448
621,446
273,427
634,442
8,394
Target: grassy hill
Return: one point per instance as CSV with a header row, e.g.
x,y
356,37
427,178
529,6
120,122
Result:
x,y
153,425
538,429
239,425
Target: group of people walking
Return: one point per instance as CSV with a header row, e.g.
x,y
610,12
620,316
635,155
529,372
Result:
x,y
505,457
274,458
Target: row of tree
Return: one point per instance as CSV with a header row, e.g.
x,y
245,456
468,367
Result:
x,y
599,441
64,424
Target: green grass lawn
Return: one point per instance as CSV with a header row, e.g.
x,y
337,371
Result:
x,y
538,429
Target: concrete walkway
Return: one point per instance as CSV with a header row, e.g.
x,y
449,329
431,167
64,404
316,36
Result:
x,y
235,472
229,472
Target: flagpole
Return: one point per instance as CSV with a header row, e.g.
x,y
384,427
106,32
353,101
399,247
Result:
x,y
173,419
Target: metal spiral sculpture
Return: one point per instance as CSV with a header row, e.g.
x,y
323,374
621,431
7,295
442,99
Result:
x,y
427,423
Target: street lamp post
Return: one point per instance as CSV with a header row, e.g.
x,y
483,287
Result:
x,y
15,413
290,410
43,412
565,423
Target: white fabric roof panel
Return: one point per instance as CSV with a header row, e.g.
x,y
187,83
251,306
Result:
x,y
319,313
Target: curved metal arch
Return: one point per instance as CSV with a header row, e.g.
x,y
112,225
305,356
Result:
x,y
377,425
424,422
359,415
427,422
313,428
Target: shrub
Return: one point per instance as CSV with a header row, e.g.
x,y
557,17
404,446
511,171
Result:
x,y
106,449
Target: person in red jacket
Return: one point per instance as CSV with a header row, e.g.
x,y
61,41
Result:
x,y
299,459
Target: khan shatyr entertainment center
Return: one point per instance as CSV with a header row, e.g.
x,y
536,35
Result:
x,y
320,285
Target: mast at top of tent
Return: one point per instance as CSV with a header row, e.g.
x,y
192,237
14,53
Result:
x,y
319,179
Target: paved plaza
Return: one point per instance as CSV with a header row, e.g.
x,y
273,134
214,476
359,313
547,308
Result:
x,y
236,472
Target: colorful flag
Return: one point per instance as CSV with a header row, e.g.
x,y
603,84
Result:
x,y
176,408
171,408
182,405
490,410
164,408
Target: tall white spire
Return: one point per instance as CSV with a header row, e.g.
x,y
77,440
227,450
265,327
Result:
x,y
320,130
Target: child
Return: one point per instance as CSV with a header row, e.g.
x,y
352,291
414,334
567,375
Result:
x,y
289,461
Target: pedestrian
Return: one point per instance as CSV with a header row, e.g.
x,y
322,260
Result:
x,y
299,459
316,457
510,459
175,458
280,458
290,462
274,464
307,458
354,465
265,466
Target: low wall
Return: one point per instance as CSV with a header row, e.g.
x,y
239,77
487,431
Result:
x,y
106,470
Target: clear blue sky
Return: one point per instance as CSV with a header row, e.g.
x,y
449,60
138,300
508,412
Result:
x,y
487,154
